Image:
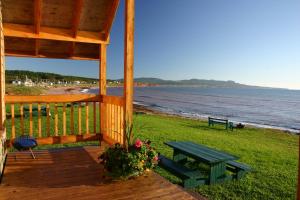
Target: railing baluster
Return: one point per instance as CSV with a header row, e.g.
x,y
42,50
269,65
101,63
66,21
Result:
x,y
64,120
86,117
30,120
109,121
119,124
95,117
72,119
122,125
13,128
22,118
56,120
114,122
79,118
39,121
48,119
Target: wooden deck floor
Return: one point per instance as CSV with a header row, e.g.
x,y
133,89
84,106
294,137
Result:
x,y
75,173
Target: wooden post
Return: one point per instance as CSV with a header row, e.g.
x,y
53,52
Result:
x,y
128,63
3,150
102,87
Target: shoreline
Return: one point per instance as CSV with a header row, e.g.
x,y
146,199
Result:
x,y
143,109
140,109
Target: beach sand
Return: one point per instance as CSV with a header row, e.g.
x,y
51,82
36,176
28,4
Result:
x,y
67,90
139,109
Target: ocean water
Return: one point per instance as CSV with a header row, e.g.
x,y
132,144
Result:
x,y
275,108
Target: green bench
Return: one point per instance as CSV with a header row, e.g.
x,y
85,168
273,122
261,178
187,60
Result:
x,y
238,169
190,178
212,121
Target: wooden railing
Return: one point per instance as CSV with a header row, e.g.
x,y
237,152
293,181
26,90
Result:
x,y
114,119
64,118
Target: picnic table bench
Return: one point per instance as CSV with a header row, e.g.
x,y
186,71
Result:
x,y
212,121
219,163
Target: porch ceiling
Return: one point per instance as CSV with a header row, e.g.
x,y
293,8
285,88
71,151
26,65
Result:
x,y
71,29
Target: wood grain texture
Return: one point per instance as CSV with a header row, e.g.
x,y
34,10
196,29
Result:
x,y
50,33
102,88
55,120
75,173
128,61
52,98
64,120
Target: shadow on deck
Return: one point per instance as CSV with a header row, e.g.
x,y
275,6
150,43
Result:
x,y
75,173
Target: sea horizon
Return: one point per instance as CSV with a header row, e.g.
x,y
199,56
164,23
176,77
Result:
x,y
266,107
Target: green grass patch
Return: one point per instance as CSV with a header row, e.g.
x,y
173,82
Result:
x,y
271,153
23,90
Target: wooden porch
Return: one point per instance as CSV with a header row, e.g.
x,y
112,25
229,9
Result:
x,y
75,173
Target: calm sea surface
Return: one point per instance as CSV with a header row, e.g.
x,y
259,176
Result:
x,y
262,107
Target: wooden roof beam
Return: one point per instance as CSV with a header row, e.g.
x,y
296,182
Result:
x,y
111,18
37,15
37,22
75,23
49,33
76,17
48,55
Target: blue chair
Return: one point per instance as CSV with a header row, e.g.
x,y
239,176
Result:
x,y
25,143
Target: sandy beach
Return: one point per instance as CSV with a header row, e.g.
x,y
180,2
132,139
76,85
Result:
x,y
68,90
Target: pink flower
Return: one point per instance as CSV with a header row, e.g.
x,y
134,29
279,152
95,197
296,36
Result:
x,y
155,158
138,143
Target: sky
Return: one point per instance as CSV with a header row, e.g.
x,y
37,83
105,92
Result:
x,y
254,42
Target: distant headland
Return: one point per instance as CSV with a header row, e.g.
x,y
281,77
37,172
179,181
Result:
x,y
37,78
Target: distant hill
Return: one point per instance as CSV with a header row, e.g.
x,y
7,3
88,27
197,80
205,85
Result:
x,y
34,76
11,75
193,82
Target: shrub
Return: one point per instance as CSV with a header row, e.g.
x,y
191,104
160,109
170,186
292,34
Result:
x,y
122,162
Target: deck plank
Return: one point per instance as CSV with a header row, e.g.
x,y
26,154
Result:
x,y
75,173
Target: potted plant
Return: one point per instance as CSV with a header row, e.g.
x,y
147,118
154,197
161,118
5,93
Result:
x,y
131,159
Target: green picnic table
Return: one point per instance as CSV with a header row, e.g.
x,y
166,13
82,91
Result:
x,y
218,161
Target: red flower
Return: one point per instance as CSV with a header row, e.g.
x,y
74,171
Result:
x,y
138,143
155,158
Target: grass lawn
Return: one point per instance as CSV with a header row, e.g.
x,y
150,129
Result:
x,y
271,153
23,90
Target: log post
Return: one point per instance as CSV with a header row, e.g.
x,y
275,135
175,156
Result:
x,y
128,64
102,87
2,95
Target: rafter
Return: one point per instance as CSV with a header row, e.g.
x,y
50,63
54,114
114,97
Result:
x,y
75,23
76,17
37,22
72,49
111,18
37,15
49,33
31,54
